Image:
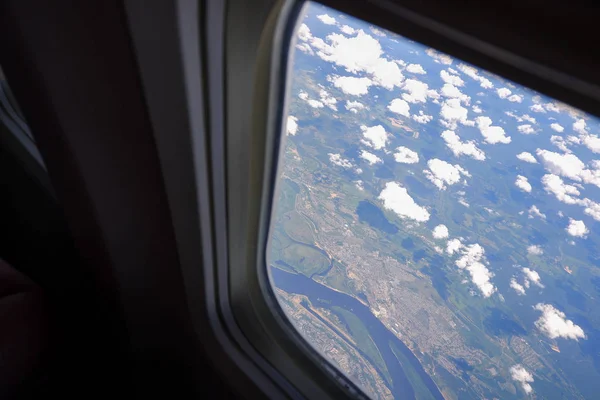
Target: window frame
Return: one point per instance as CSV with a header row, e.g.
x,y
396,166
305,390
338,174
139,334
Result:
x,y
210,114
260,302
252,296
244,305
262,347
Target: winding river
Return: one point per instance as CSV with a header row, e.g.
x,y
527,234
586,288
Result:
x,y
324,297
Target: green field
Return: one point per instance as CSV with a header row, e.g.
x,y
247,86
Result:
x,y
305,259
287,197
337,279
292,239
297,227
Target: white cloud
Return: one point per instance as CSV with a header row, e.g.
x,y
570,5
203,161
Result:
x,y
399,106
318,43
592,175
415,69
431,93
422,118
354,106
527,157
579,126
517,287
472,72
463,202
513,115
577,228
397,199
563,192
491,134
376,31
523,184
521,375
476,109
439,57
440,232
338,160
406,156
304,33
531,275
591,208
554,324
552,107
458,147
351,85
328,99
526,129
557,127
503,92
370,157
292,125
315,103
567,165
515,98
361,53
473,260
359,185
305,48
442,173
375,136
453,246
325,99
452,112
326,19
592,142
493,212
535,250
348,30
417,91
535,212
453,92
451,79
560,142
522,118
537,108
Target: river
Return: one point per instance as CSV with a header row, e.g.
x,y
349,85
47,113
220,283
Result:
x,y
324,297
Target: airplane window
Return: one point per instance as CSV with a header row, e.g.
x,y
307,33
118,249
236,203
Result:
x,y
435,231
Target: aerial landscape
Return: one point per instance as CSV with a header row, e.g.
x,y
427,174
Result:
x,y
436,227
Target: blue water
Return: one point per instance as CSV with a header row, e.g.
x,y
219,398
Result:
x,y
322,296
